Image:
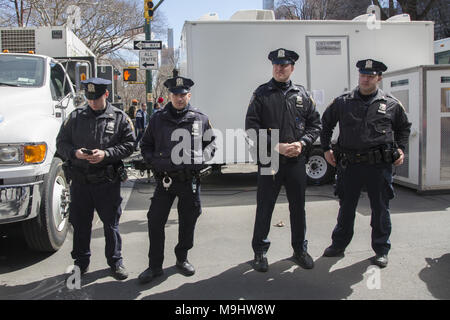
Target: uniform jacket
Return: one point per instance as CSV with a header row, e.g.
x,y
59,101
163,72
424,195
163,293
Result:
x,y
363,125
111,131
141,119
293,113
157,144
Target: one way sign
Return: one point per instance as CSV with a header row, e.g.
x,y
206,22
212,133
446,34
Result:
x,y
148,60
147,44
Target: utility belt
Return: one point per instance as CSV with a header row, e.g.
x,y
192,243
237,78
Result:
x,y
381,154
191,176
109,173
183,175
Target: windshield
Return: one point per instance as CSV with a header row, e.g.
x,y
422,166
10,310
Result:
x,y
21,71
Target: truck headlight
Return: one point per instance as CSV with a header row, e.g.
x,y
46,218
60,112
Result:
x,y
23,154
10,154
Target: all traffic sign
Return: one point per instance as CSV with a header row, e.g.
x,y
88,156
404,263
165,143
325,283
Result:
x,y
148,60
147,45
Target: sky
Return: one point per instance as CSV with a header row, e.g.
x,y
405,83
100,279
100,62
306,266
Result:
x,y
178,11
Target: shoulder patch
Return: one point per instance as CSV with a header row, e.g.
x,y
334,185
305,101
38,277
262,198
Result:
x,y
396,100
129,122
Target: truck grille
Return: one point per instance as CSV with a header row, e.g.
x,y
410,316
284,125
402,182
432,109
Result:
x,y
18,41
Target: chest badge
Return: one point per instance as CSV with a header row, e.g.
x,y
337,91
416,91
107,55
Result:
x,y
382,108
299,102
110,127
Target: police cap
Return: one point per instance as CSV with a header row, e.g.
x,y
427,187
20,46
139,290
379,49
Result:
x,y
95,87
370,66
283,56
179,85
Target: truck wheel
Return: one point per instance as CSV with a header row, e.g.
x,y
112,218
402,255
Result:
x,y
48,230
318,171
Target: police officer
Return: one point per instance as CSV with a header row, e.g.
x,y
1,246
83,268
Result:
x,y
176,176
141,123
373,134
281,105
93,140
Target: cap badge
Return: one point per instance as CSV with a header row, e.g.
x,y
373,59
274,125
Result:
x,y
369,64
91,87
281,54
179,82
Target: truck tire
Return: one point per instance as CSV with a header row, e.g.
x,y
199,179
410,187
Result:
x,y
48,230
318,170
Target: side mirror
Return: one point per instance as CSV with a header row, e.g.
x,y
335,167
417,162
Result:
x,y
79,99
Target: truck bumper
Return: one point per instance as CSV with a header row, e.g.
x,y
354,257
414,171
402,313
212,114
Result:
x,y
19,201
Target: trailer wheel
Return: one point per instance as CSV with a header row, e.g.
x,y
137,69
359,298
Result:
x,y
318,170
48,230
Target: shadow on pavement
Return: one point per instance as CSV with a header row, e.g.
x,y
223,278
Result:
x,y
285,280
15,254
55,288
436,275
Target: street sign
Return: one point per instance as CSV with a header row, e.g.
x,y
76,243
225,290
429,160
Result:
x,y
147,45
148,60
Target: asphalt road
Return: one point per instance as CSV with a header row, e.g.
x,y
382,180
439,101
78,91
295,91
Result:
x,y
419,265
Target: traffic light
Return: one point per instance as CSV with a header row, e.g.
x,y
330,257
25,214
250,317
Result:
x,y
129,74
148,7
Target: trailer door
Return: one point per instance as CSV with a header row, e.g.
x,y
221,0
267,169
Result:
x,y
327,68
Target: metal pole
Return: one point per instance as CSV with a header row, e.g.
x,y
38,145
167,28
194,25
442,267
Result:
x,y
148,73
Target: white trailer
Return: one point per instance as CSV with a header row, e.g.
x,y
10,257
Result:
x,y
228,60
425,93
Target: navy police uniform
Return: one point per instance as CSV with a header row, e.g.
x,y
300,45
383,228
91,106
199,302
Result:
x,y
96,186
290,109
175,177
371,129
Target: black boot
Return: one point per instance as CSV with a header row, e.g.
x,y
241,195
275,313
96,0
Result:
x,y
260,263
185,268
149,274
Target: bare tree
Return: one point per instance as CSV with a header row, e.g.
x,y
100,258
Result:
x,y
417,10
321,9
104,23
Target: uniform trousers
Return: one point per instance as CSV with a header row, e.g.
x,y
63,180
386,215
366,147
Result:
x,y
106,199
189,209
378,180
293,176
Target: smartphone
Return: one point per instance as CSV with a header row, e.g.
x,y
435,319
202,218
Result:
x,y
87,151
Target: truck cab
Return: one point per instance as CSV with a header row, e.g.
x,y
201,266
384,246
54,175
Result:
x,y
37,96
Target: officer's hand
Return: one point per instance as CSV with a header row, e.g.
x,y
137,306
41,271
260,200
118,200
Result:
x,y
81,155
96,157
286,149
329,156
295,150
399,161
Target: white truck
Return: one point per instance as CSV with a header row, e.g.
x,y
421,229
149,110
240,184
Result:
x,y
37,94
228,60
